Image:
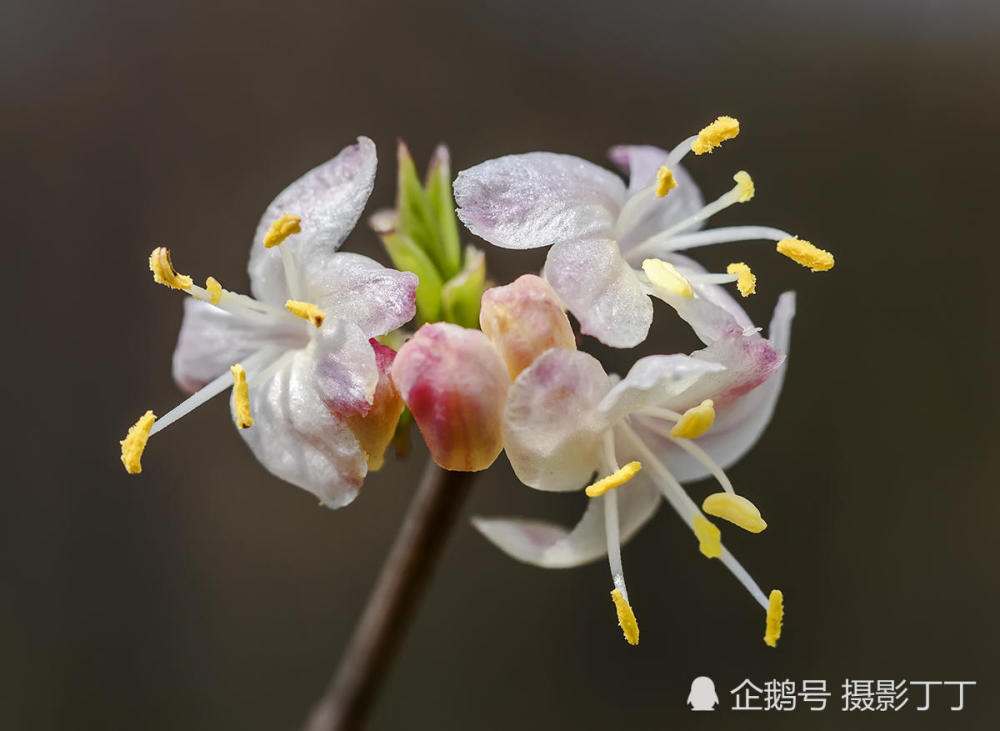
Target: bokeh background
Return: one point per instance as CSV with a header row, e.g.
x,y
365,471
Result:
x,y
208,595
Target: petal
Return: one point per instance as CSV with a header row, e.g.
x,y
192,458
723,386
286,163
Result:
x,y
298,438
356,288
346,373
538,199
211,340
551,434
652,215
653,381
329,199
375,429
739,425
456,385
523,320
601,290
552,546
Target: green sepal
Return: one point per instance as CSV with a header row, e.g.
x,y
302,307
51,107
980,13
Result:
x,y
461,295
417,218
438,186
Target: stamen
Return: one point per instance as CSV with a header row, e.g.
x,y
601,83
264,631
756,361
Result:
x,y
164,272
744,184
281,229
241,397
722,129
307,311
736,509
612,481
775,616
214,290
695,421
666,276
709,537
626,617
687,445
665,181
804,253
135,442
746,282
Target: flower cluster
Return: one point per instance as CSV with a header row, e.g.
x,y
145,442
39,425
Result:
x,y
319,390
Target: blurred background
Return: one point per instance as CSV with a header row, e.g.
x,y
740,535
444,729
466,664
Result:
x,y
206,594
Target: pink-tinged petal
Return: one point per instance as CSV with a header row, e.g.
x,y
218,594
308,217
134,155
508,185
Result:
x,y
329,199
601,290
552,546
211,340
456,385
538,199
297,437
353,287
346,372
650,215
739,424
524,319
654,381
375,429
551,433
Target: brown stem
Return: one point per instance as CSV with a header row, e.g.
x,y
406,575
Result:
x,y
377,636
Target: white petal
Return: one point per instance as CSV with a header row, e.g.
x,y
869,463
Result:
x,y
653,214
538,199
739,425
211,340
552,546
356,288
653,381
601,290
550,434
329,199
346,374
298,438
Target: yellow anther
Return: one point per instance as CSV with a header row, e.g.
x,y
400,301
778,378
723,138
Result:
x,y
164,272
665,276
214,290
804,253
626,617
307,311
695,421
746,282
135,441
665,181
241,397
745,185
281,229
617,479
709,537
736,509
722,129
775,615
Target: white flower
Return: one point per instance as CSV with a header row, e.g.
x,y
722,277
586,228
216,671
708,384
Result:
x,y
313,394
605,237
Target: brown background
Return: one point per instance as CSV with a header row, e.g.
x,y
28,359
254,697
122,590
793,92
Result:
x,y
208,595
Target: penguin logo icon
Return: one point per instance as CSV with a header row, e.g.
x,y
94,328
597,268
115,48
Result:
x,y
702,696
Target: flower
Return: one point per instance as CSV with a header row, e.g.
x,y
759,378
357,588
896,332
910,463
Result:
x,y
455,379
566,419
605,237
312,390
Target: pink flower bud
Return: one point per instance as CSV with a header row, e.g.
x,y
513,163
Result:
x,y
374,430
456,386
523,320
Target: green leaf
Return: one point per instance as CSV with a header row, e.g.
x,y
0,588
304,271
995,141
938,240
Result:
x,y
440,195
417,218
462,294
407,256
